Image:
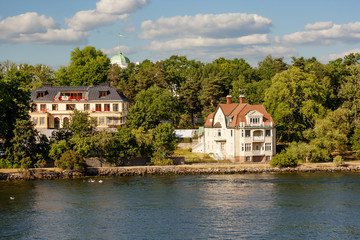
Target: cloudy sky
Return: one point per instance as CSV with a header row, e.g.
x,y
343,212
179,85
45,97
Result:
x,y
46,31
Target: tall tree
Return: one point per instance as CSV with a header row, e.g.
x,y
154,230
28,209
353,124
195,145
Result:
x,y
87,67
295,100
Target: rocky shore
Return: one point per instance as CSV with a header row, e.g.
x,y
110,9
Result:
x,y
53,173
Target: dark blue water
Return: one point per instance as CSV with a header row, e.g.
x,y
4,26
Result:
x,y
247,206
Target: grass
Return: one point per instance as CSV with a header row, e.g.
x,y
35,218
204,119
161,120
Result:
x,y
192,157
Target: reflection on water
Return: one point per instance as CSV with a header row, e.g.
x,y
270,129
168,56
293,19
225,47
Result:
x,y
251,206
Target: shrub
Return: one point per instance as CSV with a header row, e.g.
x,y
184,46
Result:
x,y
71,160
284,160
162,162
338,160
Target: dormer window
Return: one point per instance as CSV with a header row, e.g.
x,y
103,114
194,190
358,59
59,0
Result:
x,y
40,94
103,94
254,120
211,120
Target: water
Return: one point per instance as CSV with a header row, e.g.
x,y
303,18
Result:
x,y
247,206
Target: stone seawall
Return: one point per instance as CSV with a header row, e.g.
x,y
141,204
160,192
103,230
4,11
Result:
x,y
53,173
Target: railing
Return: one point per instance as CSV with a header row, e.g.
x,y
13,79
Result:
x,y
258,152
69,99
264,124
40,111
258,138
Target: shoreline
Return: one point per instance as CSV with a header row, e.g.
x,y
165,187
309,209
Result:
x,y
194,169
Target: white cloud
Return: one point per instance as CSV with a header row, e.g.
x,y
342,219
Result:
x,y
208,25
332,57
319,25
115,50
107,13
200,42
337,33
27,23
91,19
55,36
120,7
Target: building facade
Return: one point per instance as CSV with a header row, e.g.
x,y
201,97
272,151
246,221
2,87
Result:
x,y
239,132
52,106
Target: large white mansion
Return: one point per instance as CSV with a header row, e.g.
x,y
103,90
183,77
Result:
x,y
239,132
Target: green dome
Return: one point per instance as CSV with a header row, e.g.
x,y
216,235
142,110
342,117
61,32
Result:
x,y
120,59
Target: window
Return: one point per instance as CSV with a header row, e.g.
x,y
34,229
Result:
x,y
267,133
248,158
107,107
231,132
101,120
247,147
103,94
35,120
40,94
219,133
242,147
242,133
42,121
86,107
222,146
255,120
268,158
108,121
55,107
115,107
95,120
98,107
247,133
116,120
43,107
33,107
267,146
70,106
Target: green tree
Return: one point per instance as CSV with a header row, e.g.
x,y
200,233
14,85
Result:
x,y
151,107
27,146
127,145
164,143
295,100
87,67
71,160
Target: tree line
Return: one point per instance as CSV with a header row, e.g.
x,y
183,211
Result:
x,y
315,106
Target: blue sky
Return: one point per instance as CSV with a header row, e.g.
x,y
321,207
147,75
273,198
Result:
x,y
46,31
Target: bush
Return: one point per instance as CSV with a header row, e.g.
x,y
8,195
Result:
x,y
163,162
71,160
338,160
284,160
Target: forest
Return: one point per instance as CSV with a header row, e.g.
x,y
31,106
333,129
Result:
x,y
314,105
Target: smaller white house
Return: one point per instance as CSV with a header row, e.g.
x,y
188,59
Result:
x,y
239,132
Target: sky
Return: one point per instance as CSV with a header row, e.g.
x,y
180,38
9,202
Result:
x,y
46,31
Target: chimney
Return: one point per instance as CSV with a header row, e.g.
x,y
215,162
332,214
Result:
x,y
241,99
228,99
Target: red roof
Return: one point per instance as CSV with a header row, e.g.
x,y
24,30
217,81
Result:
x,y
237,112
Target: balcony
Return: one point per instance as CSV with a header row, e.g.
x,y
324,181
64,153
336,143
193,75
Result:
x,y
65,98
258,152
258,138
44,110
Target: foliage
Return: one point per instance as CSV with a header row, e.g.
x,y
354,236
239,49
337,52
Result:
x,y
284,160
26,147
151,107
88,67
71,160
162,162
295,100
127,145
338,160
164,142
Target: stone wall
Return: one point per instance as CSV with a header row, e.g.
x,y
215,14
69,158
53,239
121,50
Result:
x,y
32,174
